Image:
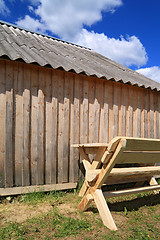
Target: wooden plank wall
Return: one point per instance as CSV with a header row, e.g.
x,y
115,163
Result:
x,y
44,111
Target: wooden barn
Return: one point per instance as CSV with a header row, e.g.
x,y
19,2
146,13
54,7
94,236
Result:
x,y
53,94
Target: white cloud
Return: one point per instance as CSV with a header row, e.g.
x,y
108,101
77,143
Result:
x,y
31,23
3,8
129,51
67,17
152,72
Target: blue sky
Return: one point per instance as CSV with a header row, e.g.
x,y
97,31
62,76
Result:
x,y
127,31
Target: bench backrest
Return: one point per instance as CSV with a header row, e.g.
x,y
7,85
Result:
x,y
136,150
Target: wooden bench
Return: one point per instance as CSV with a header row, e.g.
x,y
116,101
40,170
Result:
x,y
103,170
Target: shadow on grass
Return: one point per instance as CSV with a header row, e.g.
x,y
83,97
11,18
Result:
x,y
131,205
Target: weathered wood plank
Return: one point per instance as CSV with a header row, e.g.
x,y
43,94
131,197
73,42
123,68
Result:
x,y
54,126
110,97
84,113
146,113
40,128
18,106
129,116
124,102
116,102
91,97
36,188
8,165
34,124
68,87
26,174
151,129
106,113
2,120
74,130
101,127
60,125
48,126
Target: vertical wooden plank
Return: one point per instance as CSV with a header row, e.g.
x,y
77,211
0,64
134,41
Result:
x,y
2,120
138,112
100,111
124,104
26,129
18,106
129,132
40,128
34,124
91,96
84,112
135,111
8,165
106,113
97,101
68,87
110,97
146,113
157,113
60,125
151,115
48,126
54,125
116,100
142,114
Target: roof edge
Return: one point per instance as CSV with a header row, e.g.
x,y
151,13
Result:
x,y
42,34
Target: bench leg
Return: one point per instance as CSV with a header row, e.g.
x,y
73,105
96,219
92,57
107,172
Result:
x,y
103,209
85,202
83,189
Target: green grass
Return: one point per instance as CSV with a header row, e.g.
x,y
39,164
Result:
x,y
136,216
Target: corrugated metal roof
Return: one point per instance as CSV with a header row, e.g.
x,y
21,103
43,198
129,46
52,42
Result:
x,y
20,44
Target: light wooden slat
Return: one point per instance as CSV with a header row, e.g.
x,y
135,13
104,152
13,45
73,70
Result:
x,y
156,119
36,188
158,115
137,157
68,87
98,107
135,112
34,124
40,128
54,126
74,128
130,191
2,120
138,112
146,113
18,106
151,116
48,126
121,174
110,105
84,113
60,125
129,116
142,114
116,102
141,144
8,165
102,125
26,128
106,114
124,101
91,96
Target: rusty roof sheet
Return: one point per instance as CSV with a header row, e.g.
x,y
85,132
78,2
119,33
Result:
x,y
20,44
